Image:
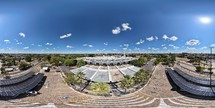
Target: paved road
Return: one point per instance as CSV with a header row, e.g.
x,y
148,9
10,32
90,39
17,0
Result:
x,y
150,65
65,69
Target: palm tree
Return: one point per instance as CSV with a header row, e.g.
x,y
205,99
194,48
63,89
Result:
x,y
69,78
127,82
79,77
100,87
139,77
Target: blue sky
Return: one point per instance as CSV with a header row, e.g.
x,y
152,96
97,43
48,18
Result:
x,y
95,26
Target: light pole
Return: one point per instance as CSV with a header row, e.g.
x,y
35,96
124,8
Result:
x,y
210,69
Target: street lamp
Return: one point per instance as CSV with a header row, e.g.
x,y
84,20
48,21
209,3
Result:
x,y
210,69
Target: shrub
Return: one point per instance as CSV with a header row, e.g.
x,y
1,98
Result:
x,y
200,68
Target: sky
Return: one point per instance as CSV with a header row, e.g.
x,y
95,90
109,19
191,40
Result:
x,y
107,26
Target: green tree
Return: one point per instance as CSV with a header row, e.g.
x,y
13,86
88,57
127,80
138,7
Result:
x,y
56,60
79,77
149,57
3,71
200,68
126,83
9,62
23,66
100,87
157,61
139,62
80,63
48,57
70,78
140,77
28,58
69,62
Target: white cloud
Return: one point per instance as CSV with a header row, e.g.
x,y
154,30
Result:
x,y
115,49
150,38
68,46
204,47
116,30
25,48
125,26
155,49
90,46
39,45
165,37
7,41
165,48
173,38
66,36
124,48
22,34
106,43
19,43
32,44
140,42
137,49
126,45
163,45
85,45
212,45
190,48
49,44
193,42
173,46
156,38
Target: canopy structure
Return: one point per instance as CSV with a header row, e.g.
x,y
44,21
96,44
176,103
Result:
x,y
16,80
106,73
16,86
190,84
107,60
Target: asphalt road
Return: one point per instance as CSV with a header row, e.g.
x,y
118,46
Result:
x,y
65,69
149,65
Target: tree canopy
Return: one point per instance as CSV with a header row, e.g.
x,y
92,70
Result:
x,y
23,66
56,60
28,58
127,82
80,63
100,87
139,62
70,62
141,76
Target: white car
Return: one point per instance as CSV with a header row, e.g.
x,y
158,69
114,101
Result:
x,y
32,93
